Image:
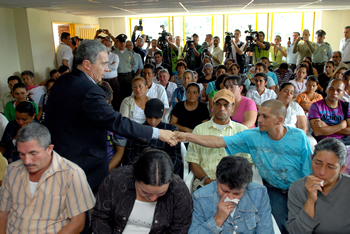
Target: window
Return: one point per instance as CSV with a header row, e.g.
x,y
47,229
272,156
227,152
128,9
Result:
x,y
178,27
309,24
151,26
200,25
281,20
241,22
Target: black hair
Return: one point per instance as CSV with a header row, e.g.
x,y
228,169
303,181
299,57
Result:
x,y
153,167
279,37
237,80
195,85
219,80
262,33
19,85
308,57
261,74
260,64
331,62
346,74
14,78
228,60
158,52
107,92
64,35
283,66
221,67
284,84
234,171
264,58
312,78
310,68
149,66
53,71
181,64
27,72
26,107
49,81
62,69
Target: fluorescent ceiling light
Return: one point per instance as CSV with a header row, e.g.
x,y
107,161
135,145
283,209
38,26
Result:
x,y
123,9
95,2
184,7
246,5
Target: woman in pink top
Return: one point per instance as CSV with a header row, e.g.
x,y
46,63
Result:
x,y
28,79
245,111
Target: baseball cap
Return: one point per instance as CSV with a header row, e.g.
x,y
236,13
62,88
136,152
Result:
x,y
121,37
224,94
320,32
195,34
154,108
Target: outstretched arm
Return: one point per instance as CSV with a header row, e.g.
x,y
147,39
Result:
x,y
206,141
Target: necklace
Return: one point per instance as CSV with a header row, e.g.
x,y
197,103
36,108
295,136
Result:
x,y
302,85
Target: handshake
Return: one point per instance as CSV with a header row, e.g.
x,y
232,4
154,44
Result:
x,y
172,138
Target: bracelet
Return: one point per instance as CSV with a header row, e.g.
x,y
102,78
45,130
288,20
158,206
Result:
x,y
203,179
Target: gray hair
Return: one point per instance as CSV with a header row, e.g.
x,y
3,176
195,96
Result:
x,y
335,146
88,50
339,52
35,131
164,70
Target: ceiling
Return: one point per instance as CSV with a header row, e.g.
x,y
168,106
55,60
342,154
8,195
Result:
x,y
135,8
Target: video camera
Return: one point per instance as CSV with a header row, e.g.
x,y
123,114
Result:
x,y
140,27
205,47
189,41
250,38
147,39
163,36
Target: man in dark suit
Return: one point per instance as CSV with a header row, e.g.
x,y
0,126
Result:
x,y
78,115
158,57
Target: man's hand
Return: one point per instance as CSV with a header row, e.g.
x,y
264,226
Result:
x,y
224,210
3,221
106,31
180,136
289,43
168,136
312,185
136,28
192,46
317,123
298,39
210,55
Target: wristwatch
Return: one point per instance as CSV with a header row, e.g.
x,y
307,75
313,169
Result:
x,y
203,179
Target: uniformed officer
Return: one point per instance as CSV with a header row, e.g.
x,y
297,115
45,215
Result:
x,y
126,62
323,52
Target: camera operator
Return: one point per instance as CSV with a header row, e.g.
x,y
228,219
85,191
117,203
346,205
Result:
x,y
174,51
237,49
261,48
217,54
194,51
139,42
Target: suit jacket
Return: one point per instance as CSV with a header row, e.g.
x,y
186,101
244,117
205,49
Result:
x,y
77,115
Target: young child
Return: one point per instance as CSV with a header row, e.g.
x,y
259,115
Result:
x,y
305,99
20,93
115,144
43,100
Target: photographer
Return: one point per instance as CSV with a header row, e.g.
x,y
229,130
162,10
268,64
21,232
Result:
x,y
139,44
169,49
174,51
194,51
261,47
237,47
217,54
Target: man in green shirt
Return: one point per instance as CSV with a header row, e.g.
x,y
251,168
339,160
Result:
x,y
261,48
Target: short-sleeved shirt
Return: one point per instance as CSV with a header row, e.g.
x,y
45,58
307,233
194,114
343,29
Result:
x,y
304,101
249,85
61,193
190,119
276,58
126,60
322,53
268,94
280,162
331,116
246,104
158,91
299,87
138,61
259,52
64,52
293,111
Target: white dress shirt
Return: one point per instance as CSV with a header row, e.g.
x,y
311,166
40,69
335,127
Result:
x,y
113,63
345,49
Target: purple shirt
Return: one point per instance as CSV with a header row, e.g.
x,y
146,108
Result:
x,y
331,116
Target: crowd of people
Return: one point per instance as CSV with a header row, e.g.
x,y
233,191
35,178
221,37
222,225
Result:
x,y
99,145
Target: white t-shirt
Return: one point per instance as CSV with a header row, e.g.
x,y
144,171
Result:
x,y
32,186
113,63
3,124
141,218
293,110
64,52
233,53
158,91
299,87
36,93
138,115
268,94
170,88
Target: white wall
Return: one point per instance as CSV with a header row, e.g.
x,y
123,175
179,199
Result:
x,y
115,26
9,60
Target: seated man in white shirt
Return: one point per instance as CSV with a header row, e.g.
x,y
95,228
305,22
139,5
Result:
x,y
154,90
164,76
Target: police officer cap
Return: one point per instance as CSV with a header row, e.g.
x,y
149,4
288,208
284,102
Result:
x,y
320,32
121,37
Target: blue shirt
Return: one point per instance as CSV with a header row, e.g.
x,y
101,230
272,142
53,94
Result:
x,y
252,215
273,76
281,162
139,63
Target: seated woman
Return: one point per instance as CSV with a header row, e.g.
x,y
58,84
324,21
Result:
x,y
300,81
305,99
208,74
312,71
232,203
319,203
261,93
295,114
234,71
143,198
200,70
177,79
179,93
42,103
338,73
188,114
20,93
218,86
25,114
245,111
133,106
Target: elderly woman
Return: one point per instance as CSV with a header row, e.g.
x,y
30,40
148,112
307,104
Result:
x,y
245,111
261,93
319,203
232,204
143,198
295,114
133,106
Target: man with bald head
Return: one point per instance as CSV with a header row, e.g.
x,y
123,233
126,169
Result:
x,y
281,153
330,117
305,48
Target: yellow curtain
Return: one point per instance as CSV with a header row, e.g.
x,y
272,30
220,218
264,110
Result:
x,y
72,30
87,33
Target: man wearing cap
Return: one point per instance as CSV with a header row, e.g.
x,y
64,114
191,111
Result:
x,y
305,48
281,153
203,161
154,111
323,52
126,63
345,46
193,56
